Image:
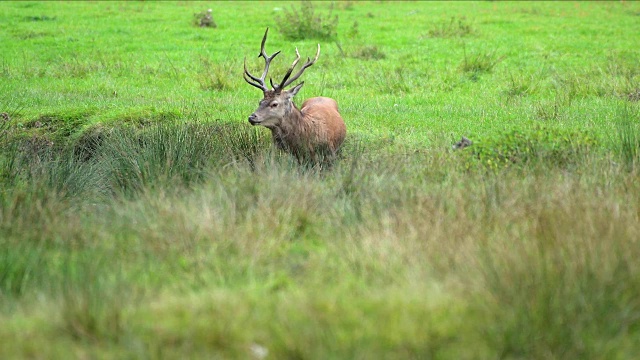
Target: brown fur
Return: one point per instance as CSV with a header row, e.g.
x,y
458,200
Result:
x,y
315,131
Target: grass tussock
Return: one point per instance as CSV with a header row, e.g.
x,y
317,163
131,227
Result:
x,y
215,76
455,27
39,18
476,64
628,138
368,53
543,144
307,22
521,85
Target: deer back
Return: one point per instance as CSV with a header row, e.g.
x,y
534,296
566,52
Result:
x,y
324,121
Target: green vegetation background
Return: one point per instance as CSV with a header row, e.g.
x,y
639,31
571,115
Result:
x,y
141,216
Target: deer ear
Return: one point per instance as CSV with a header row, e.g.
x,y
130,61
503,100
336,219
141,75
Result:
x,y
291,93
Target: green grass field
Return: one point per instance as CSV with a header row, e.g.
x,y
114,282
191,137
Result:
x,y
141,216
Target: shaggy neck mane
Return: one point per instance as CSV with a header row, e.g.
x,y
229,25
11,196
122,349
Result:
x,y
288,133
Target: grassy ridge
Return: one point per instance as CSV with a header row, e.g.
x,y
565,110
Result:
x,y
142,217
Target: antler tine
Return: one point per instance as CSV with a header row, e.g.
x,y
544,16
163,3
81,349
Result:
x,y
287,81
259,81
286,76
263,54
256,81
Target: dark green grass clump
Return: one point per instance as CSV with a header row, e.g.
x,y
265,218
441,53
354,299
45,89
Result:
x,y
543,144
454,27
130,159
306,22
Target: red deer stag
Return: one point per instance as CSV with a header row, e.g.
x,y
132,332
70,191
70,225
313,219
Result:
x,y
313,132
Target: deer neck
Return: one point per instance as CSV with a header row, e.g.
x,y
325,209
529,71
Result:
x,y
287,132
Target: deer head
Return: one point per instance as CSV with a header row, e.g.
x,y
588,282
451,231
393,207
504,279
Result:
x,y
276,105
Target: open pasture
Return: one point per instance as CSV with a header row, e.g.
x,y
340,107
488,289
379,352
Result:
x,y
142,216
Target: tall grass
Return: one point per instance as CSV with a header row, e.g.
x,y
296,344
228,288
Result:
x,y
559,282
199,250
628,138
136,159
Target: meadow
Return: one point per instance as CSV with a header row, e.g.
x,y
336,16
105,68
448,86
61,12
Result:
x,y
142,216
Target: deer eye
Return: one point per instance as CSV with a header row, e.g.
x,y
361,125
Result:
x,y
273,105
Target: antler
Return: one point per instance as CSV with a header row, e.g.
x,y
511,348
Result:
x,y
259,81
287,81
